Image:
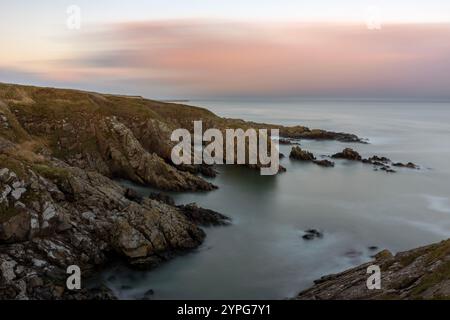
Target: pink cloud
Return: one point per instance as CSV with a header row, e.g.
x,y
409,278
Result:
x,y
203,58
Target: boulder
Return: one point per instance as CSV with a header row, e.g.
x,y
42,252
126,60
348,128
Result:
x,y
298,154
348,154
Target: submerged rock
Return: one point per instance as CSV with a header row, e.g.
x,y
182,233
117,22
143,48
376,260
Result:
x,y
312,234
324,163
408,165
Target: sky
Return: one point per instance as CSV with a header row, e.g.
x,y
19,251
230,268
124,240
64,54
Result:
x,y
192,49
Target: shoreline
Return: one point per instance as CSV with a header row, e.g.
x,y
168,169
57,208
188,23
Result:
x,y
60,150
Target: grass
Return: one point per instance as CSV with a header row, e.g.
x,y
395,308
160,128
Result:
x,y
51,173
442,273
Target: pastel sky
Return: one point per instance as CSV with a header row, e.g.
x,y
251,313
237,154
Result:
x,y
230,48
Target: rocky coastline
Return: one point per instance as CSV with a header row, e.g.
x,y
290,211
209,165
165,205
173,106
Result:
x,y
60,151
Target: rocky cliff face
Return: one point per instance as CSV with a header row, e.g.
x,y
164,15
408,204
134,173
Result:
x,y
422,273
54,215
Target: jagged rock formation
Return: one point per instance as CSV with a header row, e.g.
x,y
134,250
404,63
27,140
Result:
x,y
298,154
422,273
348,154
379,163
53,215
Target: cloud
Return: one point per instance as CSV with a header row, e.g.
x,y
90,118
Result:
x,y
201,58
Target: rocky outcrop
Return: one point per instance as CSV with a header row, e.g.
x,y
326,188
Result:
x,y
54,215
204,217
301,132
312,234
422,273
408,165
129,159
324,163
298,154
348,154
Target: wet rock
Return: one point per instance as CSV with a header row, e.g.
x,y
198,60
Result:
x,y
282,141
298,154
408,165
301,132
348,154
162,197
377,159
312,234
132,195
204,217
203,169
149,293
324,163
387,169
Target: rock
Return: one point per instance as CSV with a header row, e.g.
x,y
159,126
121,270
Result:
x,y
298,154
301,132
149,293
348,154
282,141
204,217
387,169
312,234
159,196
324,163
16,228
408,165
379,159
17,193
132,195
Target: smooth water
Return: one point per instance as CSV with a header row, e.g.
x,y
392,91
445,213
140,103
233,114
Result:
x,y
262,255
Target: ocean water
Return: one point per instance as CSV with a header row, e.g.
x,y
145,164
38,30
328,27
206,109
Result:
x,y
262,254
